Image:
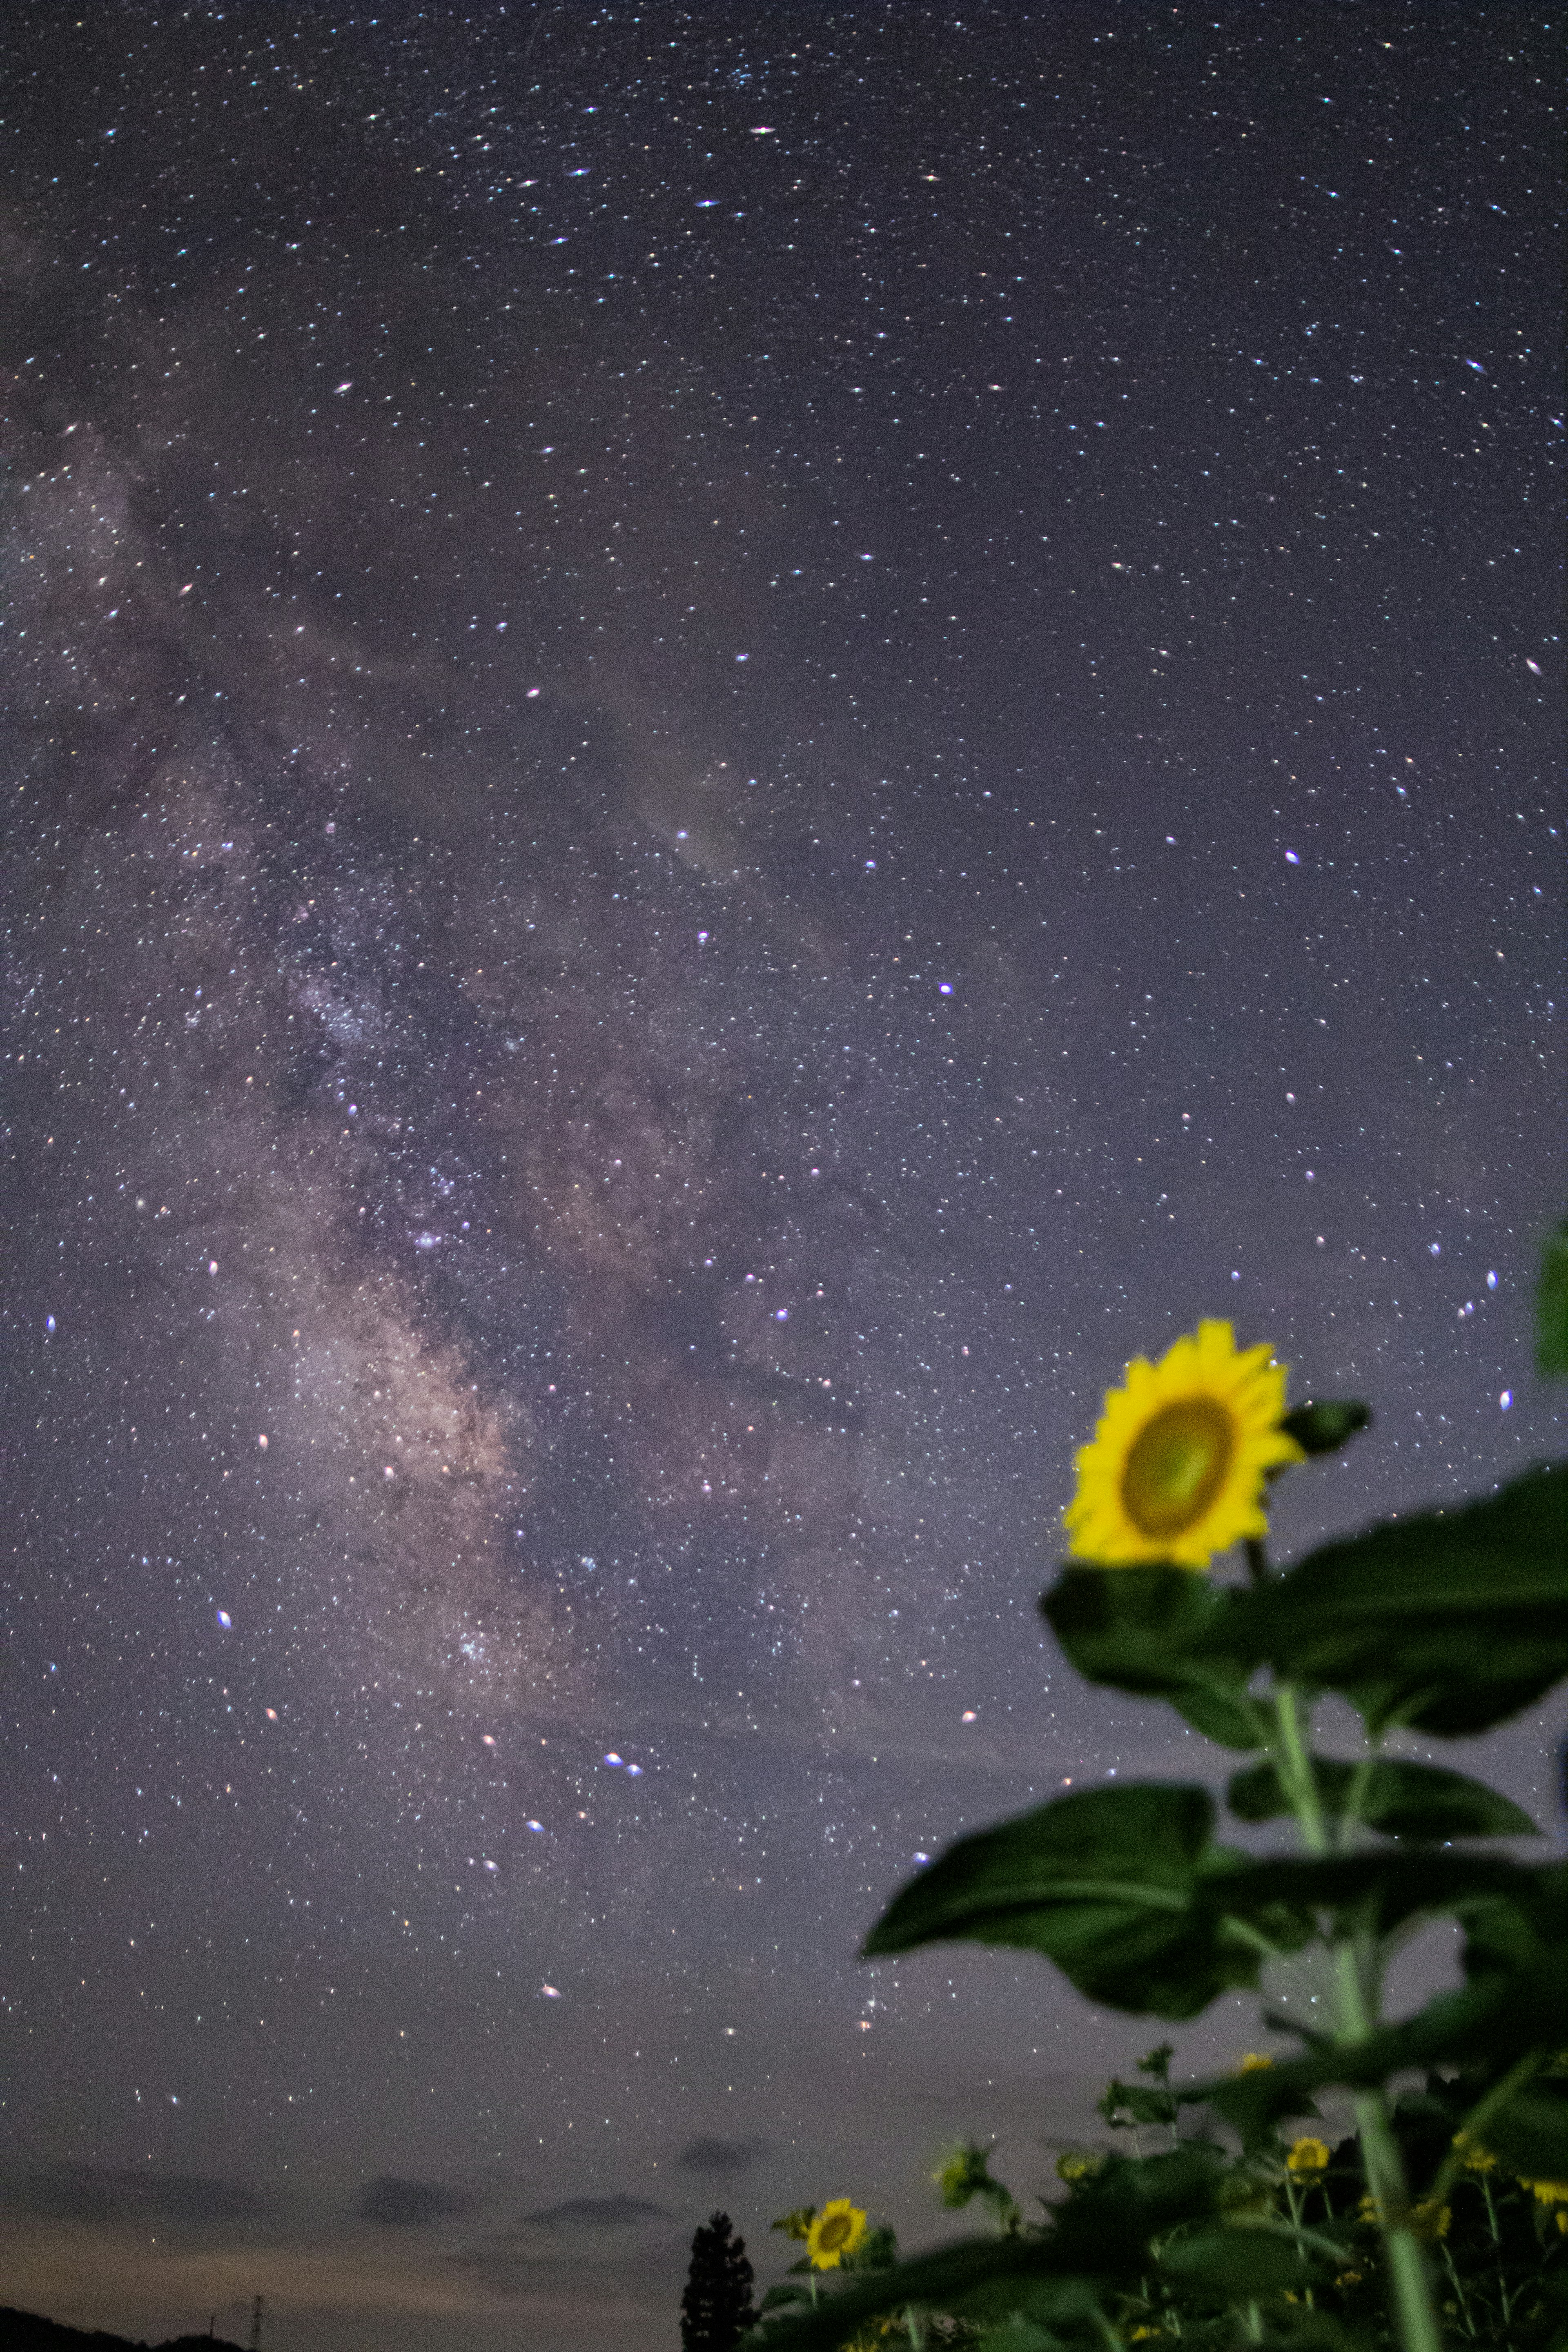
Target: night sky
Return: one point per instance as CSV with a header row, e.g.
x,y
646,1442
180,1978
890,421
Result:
x,y
739,737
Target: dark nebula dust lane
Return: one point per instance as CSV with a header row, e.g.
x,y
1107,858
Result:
x,y
738,740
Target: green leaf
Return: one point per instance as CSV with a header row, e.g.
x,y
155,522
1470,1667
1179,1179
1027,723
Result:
x,y
1017,2334
1402,1799
1451,1622
1524,1934
1552,1308
1530,2133
1115,1886
1235,2264
1133,1629
1379,1890
1113,2214
1515,2000
970,2275
1127,2105
782,2296
1325,1424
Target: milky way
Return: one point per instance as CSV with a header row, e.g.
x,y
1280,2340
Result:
x,y
730,758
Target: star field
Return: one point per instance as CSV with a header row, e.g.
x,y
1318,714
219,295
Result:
x,y
739,739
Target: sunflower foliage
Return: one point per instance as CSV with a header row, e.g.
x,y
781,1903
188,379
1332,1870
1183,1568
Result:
x,y
1446,1623
1197,2242
868,2255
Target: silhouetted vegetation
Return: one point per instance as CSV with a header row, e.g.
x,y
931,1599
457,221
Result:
x,y
716,2309
24,2331
1441,2219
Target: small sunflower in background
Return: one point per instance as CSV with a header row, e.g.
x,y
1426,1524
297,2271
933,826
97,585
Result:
x,y
837,2230
1176,1468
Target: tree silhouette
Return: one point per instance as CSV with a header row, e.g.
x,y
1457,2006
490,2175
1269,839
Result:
x,y
716,2309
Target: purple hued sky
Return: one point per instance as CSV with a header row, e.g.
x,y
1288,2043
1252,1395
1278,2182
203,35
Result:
x,y
741,736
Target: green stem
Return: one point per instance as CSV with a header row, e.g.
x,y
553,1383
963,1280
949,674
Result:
x,y
1355,1797
1300,2231
917,2332
1384,2169
1304,2239
1356,2001
1461,2298
1294,1765
1242,1931
1504,2304
1108,2333
1483,2113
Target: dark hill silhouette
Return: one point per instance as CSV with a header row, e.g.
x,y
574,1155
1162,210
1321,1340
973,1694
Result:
x,y
24,2331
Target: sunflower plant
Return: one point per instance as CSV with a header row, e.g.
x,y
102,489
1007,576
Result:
x,y
1446,1623
837,2237
1292,2261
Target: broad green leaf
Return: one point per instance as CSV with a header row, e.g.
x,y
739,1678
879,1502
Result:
x,y
1225,1715
1325,1424
784,2295
1401,1799
878,2250
1552,1308
1133,1629
1018,2333
1235,2264
974,2274
1102,2229
1115,1886
1524,1934
1379,1890
1530,2134
1451,1622
1515,2000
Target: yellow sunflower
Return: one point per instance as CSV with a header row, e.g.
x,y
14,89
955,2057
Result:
x,y
1176,1468
836,2232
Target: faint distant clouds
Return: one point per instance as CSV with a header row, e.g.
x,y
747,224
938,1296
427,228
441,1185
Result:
x,y
91,2192
552,2245
706,2154
410,2204
592,2213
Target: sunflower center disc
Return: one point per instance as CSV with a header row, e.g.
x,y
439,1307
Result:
x,y
835,2232
1177,1466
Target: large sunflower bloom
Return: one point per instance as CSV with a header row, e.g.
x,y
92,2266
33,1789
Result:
x,y
1176,1469
836,2232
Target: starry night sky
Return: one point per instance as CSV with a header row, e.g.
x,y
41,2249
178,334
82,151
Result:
x,y
739,737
